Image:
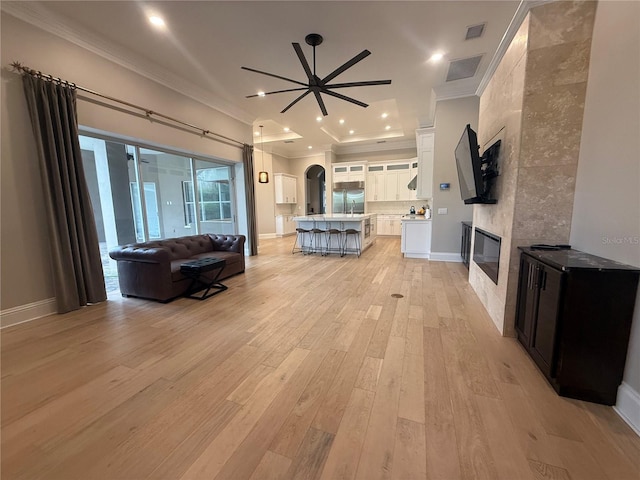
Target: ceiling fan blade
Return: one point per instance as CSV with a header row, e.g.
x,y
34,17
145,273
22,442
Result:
x,y
278,91
305,64
275,76
320,102
343,97
345,66
358,84
296,101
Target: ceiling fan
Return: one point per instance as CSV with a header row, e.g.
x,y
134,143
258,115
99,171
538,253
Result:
x,y
317,85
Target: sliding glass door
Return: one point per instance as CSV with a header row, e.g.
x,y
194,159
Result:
x,y
214,197
140,194
163,175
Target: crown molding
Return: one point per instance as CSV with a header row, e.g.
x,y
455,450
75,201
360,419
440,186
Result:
x,y
465,87
516,22
375,147
37,15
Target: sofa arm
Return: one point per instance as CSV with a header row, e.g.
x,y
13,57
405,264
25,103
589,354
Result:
x,y
228,243
133,253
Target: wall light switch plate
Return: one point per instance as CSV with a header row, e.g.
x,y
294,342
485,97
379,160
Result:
x,y
443,211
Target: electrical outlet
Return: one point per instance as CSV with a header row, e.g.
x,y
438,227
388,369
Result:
x,y
443,211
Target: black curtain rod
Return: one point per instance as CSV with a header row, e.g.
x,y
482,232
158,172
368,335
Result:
x,y
18,67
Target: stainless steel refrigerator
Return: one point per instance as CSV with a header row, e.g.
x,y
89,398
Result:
x,y
348,196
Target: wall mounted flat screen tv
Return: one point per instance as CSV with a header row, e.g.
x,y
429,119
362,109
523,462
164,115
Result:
x,y
475,173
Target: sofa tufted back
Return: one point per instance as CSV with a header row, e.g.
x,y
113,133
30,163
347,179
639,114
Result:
x,y
229,243
182,247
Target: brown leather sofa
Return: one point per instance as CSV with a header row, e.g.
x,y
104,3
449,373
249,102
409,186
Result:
x,y
152,269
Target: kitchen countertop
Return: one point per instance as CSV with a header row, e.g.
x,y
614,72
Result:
x,y
415,218
566,259
337,217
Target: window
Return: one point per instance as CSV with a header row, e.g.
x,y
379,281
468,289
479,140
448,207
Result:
x,y
214,198
215,201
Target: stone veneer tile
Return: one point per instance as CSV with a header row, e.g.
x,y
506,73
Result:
x,y
561,22
552,126
544,202
485,289
504,92
555,65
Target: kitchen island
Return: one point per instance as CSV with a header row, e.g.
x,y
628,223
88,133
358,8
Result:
x,y
365,224
416,236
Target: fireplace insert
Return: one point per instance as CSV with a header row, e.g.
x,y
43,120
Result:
x,y
486,253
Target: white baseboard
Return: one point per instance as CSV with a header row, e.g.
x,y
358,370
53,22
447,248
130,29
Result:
x,y
28,312
446,257
265,236
417,255
628,406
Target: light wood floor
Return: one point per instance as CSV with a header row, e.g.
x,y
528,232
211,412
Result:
x,y
306,368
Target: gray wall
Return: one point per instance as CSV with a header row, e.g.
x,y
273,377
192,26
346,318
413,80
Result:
x,y
606,211
450,119
265,194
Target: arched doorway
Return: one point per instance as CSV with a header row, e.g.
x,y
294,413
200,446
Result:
x,y
315,191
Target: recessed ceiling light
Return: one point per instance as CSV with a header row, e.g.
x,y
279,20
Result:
x,y
351,132
341,121
309,147
384,115
261,94
388,127
318,119
436,57
156,20
256,133
286,129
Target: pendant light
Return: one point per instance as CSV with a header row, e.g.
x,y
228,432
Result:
x,y
263,176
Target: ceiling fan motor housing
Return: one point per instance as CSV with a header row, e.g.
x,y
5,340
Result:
x,y
313,39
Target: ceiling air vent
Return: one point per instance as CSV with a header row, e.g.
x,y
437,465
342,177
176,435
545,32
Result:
x,y
474,31
465,68
288,141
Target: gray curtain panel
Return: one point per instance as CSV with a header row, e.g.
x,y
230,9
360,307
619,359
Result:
x,y
75,252
249,188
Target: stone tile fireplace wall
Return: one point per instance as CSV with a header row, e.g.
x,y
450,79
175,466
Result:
x,y
534,103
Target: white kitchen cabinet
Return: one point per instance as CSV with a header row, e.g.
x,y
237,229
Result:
x,y
285,225
383,225
356,173
398,176
416,238
425,139
349,173
340,173
395,225
286,188
375,183
389,225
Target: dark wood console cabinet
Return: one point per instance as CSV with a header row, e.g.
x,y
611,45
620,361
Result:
x,y
573,317
465,244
